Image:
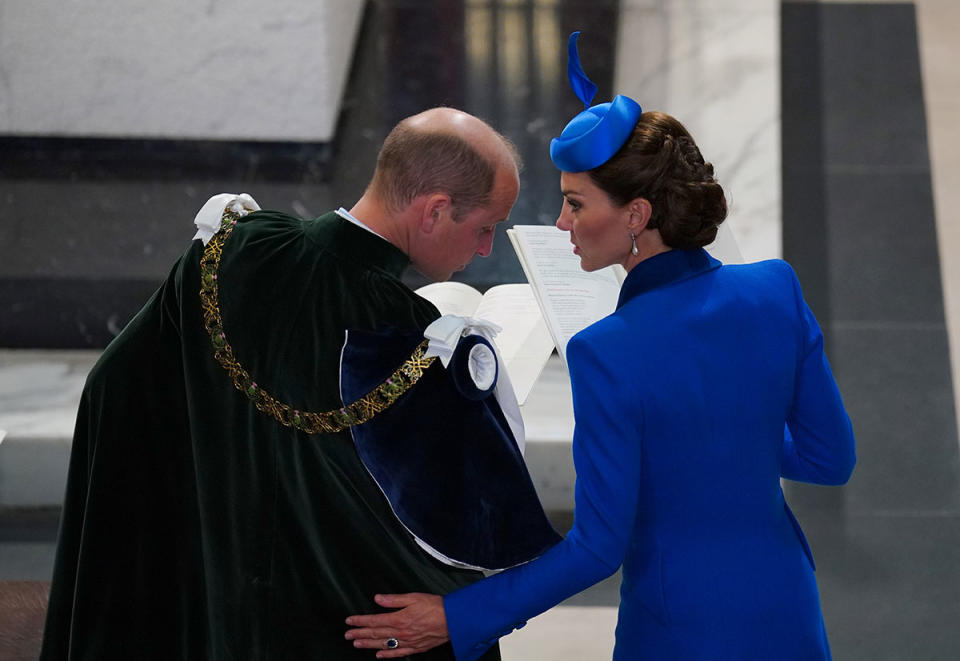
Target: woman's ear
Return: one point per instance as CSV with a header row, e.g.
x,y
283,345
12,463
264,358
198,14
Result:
x,y
640,212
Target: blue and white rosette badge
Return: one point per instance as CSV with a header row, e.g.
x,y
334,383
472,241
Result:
x,y
597,133
482,361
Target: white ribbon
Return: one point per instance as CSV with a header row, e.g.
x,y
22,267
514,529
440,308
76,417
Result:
x,y
210,214
444,334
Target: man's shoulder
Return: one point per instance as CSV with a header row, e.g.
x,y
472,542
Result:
x,y
265,217
284,216
273,233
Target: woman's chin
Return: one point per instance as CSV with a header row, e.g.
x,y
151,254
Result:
x,y
588,266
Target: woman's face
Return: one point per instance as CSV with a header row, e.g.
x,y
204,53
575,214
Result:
x,y
598,229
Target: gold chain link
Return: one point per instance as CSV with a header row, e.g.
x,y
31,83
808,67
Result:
x,y
360,411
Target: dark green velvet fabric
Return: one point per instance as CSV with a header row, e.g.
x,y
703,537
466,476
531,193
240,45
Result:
x,y
196,527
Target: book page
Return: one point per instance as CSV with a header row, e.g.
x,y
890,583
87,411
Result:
x,y
524,343
571,299
452,297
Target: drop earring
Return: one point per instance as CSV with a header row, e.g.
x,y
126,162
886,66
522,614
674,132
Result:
x,y
633,250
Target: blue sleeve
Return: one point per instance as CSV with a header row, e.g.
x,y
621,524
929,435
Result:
x,y
818,444
607,456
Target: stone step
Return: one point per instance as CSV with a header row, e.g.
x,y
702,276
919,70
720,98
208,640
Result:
x,y
40,391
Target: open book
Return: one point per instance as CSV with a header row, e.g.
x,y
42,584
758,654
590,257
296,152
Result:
x,y
524,343
561,300
570,298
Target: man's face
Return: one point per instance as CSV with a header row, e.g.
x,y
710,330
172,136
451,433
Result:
x,y
455,244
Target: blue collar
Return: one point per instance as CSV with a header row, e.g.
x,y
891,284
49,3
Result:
x,y
665,269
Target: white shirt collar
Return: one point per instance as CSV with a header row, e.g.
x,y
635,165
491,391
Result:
x,y
346,215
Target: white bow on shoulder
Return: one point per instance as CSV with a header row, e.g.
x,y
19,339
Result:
x,y
445,333
210,214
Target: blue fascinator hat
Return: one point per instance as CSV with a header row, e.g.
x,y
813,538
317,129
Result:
x,y
597,133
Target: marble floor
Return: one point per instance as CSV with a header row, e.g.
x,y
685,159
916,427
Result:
x,y
888,546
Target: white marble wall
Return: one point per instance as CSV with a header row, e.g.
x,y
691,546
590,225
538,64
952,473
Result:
x,y
941,81
159,68
715,66
39,395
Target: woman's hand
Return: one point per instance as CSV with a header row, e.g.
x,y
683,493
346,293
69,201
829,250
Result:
x,y
419,625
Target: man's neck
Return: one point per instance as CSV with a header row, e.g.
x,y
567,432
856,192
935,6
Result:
x,y
376,217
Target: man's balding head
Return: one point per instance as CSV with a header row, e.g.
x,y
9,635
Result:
x,y
444,181
442,150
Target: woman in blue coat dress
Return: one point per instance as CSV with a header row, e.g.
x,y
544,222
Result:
x,y
706,386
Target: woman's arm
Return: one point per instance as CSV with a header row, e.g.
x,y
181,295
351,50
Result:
x,y
607,458
818,443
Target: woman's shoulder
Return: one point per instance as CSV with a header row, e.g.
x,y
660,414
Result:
x,y
600,339
606,329
771,274
766,267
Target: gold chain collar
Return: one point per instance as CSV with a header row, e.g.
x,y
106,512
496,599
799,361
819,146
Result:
x,y
360,411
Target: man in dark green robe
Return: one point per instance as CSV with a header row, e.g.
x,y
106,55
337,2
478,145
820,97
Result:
x,y
195,524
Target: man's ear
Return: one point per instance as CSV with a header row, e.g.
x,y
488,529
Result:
x,y
640,211
435,207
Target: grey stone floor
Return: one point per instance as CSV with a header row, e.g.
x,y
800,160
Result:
x,y
27,543
889,584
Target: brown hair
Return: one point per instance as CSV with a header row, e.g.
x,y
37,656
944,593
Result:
x,y
414,162
661,162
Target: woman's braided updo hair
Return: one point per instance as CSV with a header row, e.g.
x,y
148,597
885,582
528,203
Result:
x,y
661,163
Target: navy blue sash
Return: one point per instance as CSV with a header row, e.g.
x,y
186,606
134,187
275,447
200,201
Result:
x,y
444,456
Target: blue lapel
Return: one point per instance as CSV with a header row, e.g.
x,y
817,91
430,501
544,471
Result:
x,y
665,269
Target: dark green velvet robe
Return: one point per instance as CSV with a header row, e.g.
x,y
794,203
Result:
x,y
195,526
